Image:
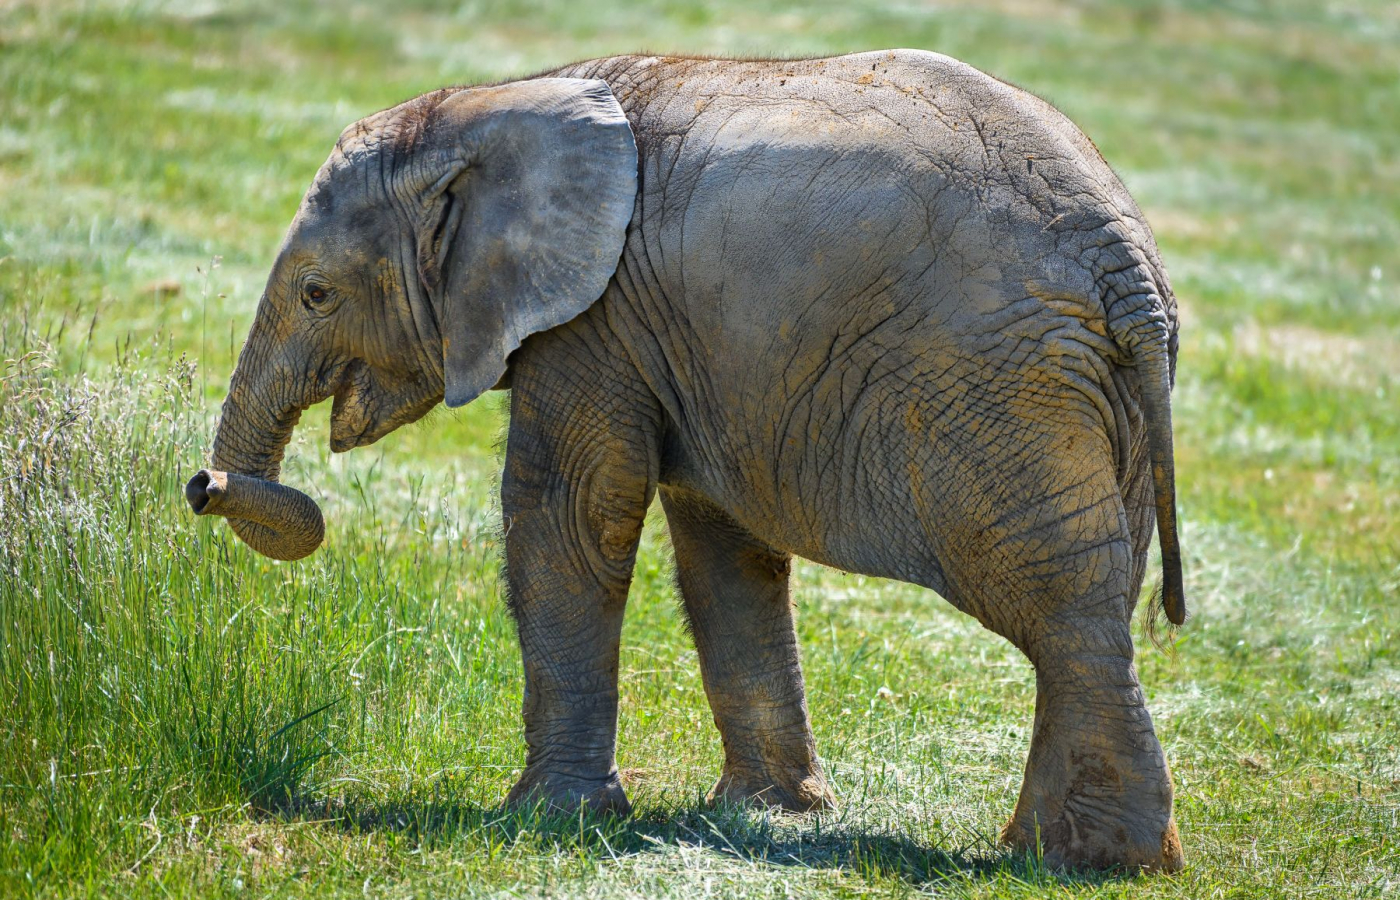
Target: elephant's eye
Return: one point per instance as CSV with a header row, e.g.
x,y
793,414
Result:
x,y
316,295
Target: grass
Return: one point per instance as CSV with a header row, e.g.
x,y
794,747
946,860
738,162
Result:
x,y
181,717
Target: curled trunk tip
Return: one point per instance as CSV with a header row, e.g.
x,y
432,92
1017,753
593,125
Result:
x,y
275,520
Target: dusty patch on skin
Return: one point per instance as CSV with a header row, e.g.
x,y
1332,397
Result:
x,y
1172,857
796,788
1337,359
1091,826
811,795
1095,777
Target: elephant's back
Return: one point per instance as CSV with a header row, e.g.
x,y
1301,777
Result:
x,y
948,124
786,193
907,151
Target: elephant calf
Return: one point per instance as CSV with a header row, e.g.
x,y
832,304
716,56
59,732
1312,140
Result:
x,y
880,311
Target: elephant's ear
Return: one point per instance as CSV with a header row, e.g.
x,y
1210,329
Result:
x,y
528,189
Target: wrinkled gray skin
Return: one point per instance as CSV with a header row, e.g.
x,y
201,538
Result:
x,y
880,311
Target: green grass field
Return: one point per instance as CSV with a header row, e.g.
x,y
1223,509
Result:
x,y
180,717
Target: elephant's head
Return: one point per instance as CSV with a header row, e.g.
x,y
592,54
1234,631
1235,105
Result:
x,y
438,236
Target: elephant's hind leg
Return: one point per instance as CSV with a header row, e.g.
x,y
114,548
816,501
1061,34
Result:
x,y
735,590
1043,555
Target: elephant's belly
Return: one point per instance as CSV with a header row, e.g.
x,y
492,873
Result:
x,y
864,451
873,538
845,493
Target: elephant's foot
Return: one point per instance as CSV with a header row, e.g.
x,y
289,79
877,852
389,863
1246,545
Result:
x,y
1097,791
568,794
793,788
1089,838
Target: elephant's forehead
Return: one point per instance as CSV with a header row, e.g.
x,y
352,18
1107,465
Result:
x,y
395,127
342,185
363,137
359,155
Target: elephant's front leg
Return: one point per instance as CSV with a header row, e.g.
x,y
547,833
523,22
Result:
x,y
735,589
580,473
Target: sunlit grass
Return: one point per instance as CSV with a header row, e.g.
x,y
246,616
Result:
x,y
178,715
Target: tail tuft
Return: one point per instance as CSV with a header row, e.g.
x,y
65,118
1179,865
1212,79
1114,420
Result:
x,y
1153,621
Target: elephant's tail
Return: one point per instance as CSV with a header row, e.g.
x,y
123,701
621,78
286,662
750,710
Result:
x,y
1139,324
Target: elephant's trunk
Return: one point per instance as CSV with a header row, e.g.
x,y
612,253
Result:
x,y
273,519
241,485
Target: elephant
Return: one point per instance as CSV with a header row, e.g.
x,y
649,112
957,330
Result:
x,y
880,311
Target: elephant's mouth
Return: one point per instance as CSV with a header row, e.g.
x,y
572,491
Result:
x,y
366,407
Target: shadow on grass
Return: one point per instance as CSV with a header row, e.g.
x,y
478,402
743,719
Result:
x,y
748,836
273,780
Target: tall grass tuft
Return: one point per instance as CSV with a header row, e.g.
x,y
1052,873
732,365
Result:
x,y
149,667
